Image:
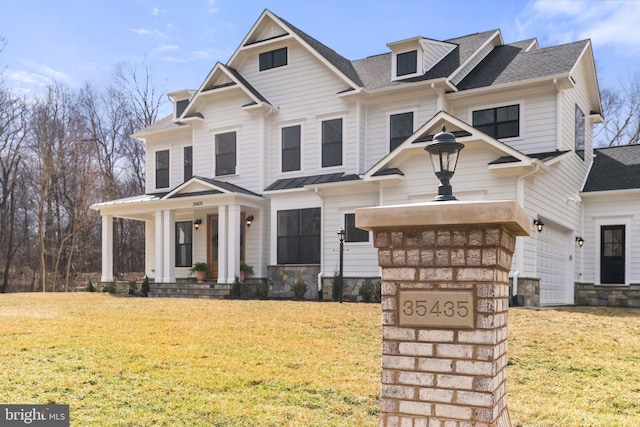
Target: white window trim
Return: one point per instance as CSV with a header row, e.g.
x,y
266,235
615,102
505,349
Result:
x,y
521,119
219,131
390,113
155,169
344,151
193,170
419,63
343,213
288,125
613,220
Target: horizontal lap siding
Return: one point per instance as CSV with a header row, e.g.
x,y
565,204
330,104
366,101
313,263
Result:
x,y
174,142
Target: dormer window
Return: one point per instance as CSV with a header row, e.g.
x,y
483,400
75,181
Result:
x,y
407,63
273,59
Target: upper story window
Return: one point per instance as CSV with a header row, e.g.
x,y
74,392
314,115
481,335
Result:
x,y
407,63
188,162
291,148
273,59
226,153
400,128
500,122
162,169
331,143
580,132
353,233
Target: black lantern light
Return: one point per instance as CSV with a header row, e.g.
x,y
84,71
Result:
x,y
249,220
196,223
539,224
444,151
580,240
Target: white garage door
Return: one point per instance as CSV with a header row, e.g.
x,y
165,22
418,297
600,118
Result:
x,y
555,265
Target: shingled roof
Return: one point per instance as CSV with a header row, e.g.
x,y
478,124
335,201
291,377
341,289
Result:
x,y
614,168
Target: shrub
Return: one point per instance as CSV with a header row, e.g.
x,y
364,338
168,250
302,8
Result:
x,y
236,288
133,287
262,290
370,292
90,287
377,291
145,287
299,289
337,289
109,287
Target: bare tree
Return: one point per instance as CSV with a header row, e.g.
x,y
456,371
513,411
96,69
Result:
x,y
621,109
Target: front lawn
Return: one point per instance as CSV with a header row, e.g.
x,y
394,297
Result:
x,y
133,361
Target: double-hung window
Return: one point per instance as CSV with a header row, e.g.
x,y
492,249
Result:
x,y
273,59
500,122
291,148
184,239
299,236
407,63
331,143
162,169
226,153
400,128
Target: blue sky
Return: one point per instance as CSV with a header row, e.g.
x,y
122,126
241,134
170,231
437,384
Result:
x,y
73,41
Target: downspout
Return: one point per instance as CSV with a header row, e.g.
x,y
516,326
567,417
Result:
x,y
317,191
520,199
263,143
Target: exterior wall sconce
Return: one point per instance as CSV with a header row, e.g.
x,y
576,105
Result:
x,y
249,220
444,151
580,240
196,223
539,224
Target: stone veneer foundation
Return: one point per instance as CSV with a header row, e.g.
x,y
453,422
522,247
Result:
x,y
445,376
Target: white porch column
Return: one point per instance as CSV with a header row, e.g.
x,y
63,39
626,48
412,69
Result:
x,y
159,248
222,245
107,248
169,243
233,252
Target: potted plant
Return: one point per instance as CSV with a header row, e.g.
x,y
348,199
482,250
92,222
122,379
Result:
x,y
200,268
245,269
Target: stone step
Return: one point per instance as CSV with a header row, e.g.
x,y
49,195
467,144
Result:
x,y
189,290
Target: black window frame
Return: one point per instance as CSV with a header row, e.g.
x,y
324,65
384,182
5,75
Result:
x,y
396,134
332,140
497,127
184,247
298,236
354,234
273,59
162,169
407,63
187,162
580,132
226,158
291,143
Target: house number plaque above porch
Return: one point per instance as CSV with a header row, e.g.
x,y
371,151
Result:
x,y
434,308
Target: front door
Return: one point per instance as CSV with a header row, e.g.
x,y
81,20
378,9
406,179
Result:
x,y
612,254
212,245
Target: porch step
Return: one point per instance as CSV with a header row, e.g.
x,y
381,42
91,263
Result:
x,y
207,290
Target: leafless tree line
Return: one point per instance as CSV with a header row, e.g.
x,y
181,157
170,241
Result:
x,y
60,153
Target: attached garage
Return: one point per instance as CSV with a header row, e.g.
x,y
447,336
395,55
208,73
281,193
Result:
x,y
555,265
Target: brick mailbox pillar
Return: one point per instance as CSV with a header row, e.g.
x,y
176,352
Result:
x,y
445,289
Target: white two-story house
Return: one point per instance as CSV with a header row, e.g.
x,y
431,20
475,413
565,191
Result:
x,y
272,154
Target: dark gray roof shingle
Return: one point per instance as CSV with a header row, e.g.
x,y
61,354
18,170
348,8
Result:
x,y
301,181
614,168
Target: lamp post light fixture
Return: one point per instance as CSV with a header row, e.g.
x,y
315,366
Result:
x,y
341,234
539,224
444,151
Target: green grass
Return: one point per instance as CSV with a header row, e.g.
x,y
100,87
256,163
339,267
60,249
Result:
x,y
145,362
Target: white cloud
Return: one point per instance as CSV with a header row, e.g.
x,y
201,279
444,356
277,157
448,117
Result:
x,y
212,6
141,31
26,78
157,11
166,47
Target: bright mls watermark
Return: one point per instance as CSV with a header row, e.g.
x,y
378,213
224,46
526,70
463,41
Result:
x,y
34,415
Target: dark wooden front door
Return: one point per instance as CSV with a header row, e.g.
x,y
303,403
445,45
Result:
x,y
612,248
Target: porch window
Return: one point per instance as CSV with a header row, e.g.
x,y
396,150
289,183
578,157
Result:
x,y
407,63
500,122
580,132
299,236
331,143
612,254
183,243
226,153
291,148
188,162
273,59
162,169
400,128
353,233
